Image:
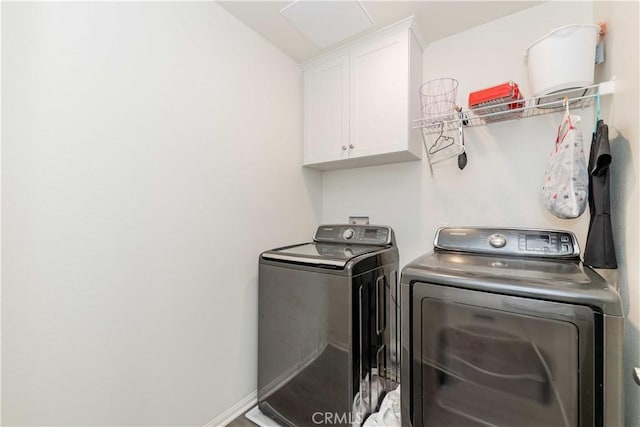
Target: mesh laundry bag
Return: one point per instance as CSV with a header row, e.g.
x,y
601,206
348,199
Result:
x,y
566,181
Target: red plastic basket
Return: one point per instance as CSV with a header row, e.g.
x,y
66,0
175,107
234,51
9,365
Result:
x,y
496,99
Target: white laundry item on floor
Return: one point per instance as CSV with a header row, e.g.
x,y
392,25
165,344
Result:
x,y
367,398
389,413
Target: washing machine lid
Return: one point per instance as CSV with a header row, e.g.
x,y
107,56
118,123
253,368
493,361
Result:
x,y
333,255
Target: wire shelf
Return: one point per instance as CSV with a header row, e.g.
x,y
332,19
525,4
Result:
x,y
531,107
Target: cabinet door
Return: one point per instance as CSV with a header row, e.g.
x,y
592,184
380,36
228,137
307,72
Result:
x,y
326,111
379,98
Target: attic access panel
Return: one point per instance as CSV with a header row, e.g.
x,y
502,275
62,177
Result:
x,y
328,22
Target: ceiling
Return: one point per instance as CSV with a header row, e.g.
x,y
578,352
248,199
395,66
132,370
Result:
x,y
434,20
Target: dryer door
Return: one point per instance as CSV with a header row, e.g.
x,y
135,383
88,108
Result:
x,y
483,359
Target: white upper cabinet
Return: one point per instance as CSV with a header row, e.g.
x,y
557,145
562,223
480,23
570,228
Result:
x,y
326,111
378,96
359,102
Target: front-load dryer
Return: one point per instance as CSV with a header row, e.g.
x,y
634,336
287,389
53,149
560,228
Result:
x,y
505,327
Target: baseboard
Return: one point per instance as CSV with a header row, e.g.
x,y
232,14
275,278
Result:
x,y
235,411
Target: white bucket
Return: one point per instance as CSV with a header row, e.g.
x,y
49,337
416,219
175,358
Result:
x,y
563,59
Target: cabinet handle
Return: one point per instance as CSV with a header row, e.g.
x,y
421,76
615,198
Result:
x,y
350,145
344,148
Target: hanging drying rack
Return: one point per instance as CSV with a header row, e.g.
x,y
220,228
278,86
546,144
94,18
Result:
x,y
529,107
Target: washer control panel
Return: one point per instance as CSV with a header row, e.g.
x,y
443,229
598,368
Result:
x,y
376,235
509,241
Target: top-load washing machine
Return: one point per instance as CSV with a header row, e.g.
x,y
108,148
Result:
x,y
328,327
505,327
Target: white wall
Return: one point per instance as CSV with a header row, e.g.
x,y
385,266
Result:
x,y
150,151
622,49
500,186
0,213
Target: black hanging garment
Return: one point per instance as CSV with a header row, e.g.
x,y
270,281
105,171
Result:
x,y
600,251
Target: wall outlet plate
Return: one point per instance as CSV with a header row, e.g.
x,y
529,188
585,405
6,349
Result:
x,y
359,220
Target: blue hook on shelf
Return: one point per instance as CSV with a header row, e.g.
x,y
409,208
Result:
x,y
595,126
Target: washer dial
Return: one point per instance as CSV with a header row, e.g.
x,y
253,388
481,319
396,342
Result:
x,y
497,240
348,234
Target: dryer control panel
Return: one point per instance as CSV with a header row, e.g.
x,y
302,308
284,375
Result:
x,y
375,235
508,241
